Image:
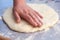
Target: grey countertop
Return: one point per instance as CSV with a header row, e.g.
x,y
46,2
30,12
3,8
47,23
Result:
x,y
52,34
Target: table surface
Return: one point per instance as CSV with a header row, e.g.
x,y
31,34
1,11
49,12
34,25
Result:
x,y
52,34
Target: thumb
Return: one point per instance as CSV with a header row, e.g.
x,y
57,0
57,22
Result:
x,y
16,16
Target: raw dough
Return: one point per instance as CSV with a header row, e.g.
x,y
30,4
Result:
x,y
50,17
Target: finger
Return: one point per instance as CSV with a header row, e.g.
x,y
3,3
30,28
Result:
x,y
39,15
29,19
36,12
35,19
16,16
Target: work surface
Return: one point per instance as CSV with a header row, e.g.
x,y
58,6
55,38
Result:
x,y
52,34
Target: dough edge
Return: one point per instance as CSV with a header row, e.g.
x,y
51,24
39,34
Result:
x,y
44,28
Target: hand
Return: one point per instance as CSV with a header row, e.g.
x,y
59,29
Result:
x,y
21,10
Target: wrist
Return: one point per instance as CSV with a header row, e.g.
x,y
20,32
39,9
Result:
x,y
21,2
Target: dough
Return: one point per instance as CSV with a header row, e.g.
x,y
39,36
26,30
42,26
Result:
x,y
50,17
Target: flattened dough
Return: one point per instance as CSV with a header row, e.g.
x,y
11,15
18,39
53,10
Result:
x,y
50,17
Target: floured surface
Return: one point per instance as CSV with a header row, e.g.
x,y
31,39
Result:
x,y
50,18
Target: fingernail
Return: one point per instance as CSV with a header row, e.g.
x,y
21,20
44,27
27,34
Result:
x,y
36,25
18,21
40,24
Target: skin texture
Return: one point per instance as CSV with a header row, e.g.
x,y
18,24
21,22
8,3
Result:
x,y
22,10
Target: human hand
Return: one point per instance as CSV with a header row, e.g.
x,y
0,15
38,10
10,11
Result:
x,y
22,10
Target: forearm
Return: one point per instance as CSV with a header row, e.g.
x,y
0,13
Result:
x,y
19,2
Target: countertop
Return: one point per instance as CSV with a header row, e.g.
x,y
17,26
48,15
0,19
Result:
x,y
52,34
